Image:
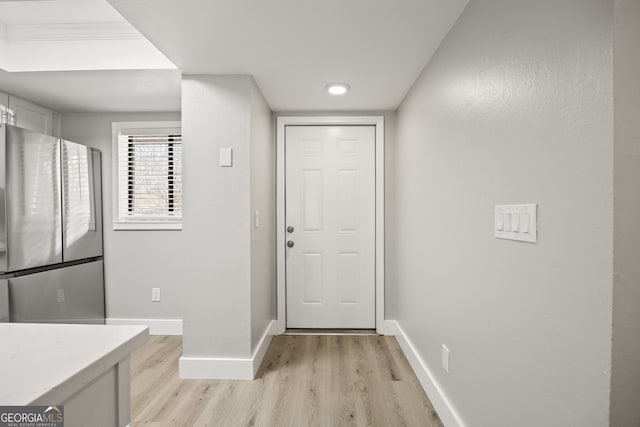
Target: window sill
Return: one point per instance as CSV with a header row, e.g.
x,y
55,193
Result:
x,y
147,225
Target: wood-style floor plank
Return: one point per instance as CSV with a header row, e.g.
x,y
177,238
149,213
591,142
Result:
x,y
304,380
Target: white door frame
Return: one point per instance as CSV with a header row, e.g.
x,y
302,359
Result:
x,y
382,326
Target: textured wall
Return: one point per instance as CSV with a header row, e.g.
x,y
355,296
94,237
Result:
x,y
514,107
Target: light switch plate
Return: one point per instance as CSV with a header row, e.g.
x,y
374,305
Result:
x,y
226,157
516,222
155,294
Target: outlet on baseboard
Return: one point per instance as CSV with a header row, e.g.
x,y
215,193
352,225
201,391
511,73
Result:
x,y
445,358
155,294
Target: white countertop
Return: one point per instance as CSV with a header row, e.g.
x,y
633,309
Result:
x,y
45,364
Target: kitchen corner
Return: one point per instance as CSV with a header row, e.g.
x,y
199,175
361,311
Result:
x,y
85,368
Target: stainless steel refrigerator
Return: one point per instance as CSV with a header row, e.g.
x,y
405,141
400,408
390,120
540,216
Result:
x,y
51,267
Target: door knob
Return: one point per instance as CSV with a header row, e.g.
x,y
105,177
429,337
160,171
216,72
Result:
x,y
290,243
290,229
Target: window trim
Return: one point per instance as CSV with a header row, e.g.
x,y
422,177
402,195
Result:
x,y
148,224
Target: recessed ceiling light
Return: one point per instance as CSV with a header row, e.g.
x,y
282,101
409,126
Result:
x,y
337,88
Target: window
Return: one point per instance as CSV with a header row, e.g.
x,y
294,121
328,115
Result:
x,y
148,171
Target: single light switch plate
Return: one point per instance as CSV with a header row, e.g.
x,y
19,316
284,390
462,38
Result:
x,y
445,358
516,222
60,295
226,157
155,294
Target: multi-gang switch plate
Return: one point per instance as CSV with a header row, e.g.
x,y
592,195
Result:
x,y
517,222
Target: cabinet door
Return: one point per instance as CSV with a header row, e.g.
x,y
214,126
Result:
x,y
32,116
4,99
4,107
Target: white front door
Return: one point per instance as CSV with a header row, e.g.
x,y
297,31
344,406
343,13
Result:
x,y
330,218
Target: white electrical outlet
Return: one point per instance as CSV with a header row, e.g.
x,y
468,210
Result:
x,y
155,294
60,295
445,358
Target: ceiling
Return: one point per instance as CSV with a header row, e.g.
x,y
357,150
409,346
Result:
x,y
82,55
57,12
70,35
293,48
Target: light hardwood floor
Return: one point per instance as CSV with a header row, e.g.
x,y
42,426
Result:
x,y
303,381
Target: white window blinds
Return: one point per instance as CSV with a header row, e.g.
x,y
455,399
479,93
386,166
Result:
x,y
150,176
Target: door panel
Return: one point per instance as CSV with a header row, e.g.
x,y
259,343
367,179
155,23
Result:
x,y
81,196
312,194
347,277
312,278
347,200
330,203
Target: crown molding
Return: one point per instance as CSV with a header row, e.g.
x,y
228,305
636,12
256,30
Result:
x,y
72,32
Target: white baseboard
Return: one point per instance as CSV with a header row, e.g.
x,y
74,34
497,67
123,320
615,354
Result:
x,y
440,401
156,326
277,327
387,327
261,348
210,368
226,368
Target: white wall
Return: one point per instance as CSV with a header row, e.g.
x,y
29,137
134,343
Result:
x,y
514,107
625,382
228,295
135,261
216,113
263,200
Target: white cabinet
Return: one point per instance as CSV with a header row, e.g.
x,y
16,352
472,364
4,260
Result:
x,y
27,115
85,368
6,116
32,116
